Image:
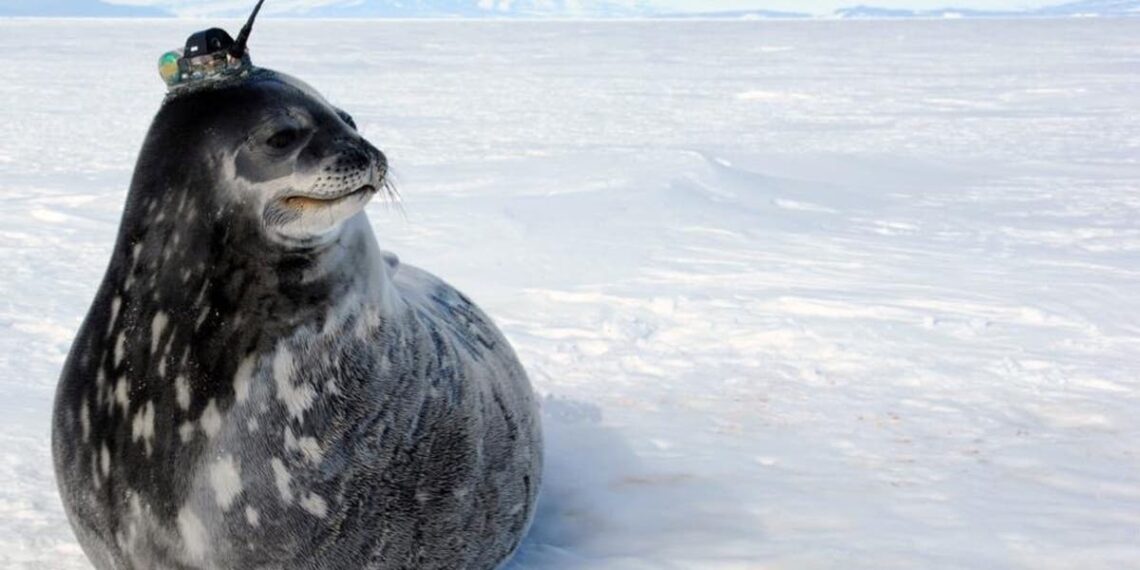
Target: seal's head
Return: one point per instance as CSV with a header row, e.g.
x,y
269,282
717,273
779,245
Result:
x,y
268,149
281,153
300,164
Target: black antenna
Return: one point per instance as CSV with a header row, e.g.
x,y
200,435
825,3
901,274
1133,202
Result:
x,y
238,49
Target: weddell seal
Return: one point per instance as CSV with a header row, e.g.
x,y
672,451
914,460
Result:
x,y
257,385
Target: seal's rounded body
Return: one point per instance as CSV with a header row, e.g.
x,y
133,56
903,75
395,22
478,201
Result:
x,y
257,385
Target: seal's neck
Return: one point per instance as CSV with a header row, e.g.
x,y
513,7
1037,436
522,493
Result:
x,y
357,277
352,266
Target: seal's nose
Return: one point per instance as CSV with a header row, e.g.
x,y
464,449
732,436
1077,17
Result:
x,y
351,159
371,149
377,158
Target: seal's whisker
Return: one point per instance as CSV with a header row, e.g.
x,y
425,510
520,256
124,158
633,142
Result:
x,y
392,198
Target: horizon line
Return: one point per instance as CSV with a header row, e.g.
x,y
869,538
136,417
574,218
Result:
x,y
654,18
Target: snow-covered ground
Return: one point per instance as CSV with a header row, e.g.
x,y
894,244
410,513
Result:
x,y
799,295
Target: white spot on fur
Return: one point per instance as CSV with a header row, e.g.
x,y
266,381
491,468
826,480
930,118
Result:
x,y
102,394
186,431
202,314
336,316
194,537
316,505
85,420
135,251
134,518
252,425
225,477
105,460
297,399
369,320
157,326
311,449
120,348
283,479
182,392
243,378
122,396
95,472
143,426
136,504
211,419
252,517
115,304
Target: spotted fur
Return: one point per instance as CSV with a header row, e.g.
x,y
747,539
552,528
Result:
x,y
257,385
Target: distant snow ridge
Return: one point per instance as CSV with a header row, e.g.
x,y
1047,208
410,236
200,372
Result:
x,y
1088,8
76,8
1094,8
738,15
413,8
874,12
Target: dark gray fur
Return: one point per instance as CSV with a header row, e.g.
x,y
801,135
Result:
x,y
406,426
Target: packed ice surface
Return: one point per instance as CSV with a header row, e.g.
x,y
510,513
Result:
x,y
798,295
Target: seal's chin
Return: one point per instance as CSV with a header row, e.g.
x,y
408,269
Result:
x,y
308,218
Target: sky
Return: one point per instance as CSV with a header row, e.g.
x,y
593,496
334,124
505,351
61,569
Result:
x,y
809,6
570,7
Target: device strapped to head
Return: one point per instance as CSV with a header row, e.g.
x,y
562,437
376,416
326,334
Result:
x,y
209,55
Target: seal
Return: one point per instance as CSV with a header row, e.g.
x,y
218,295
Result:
x,y
258,385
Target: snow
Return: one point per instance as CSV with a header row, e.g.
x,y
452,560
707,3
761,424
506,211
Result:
x,y
797,295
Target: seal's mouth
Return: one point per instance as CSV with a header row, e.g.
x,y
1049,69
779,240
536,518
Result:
x,y
304,201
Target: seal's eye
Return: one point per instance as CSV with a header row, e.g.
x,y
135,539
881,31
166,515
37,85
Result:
x,y
283,139
347,119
